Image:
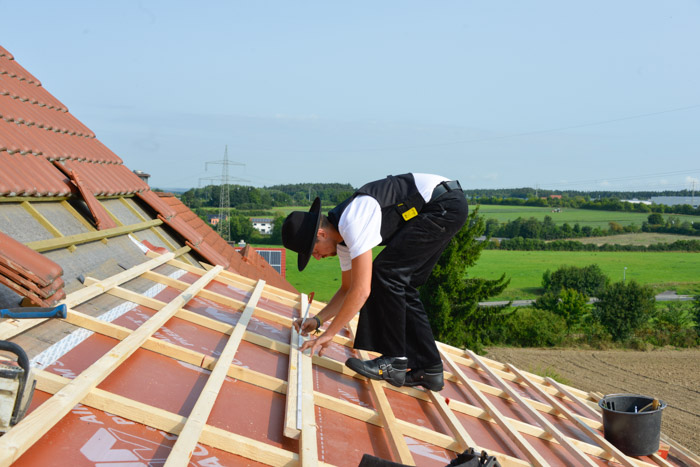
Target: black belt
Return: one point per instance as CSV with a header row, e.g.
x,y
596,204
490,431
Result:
x,y
445,187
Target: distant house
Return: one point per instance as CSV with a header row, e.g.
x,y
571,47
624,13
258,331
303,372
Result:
x,y
636,201
214,219
263,224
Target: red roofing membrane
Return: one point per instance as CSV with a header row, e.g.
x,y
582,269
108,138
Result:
x,y
257,412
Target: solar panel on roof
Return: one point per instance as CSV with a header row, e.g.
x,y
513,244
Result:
x,y
273,258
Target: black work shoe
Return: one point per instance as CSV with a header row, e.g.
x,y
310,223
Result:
x,y
390,369
430,378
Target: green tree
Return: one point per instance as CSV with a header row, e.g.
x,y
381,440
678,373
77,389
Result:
x,y
623,307
696,312
655,219
241,227
531,327
567,303
589,280
276,236
451,298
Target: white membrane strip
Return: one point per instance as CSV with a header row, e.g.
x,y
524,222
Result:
x,y
68,343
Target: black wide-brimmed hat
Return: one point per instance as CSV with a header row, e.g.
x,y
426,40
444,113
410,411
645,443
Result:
x,y
299,232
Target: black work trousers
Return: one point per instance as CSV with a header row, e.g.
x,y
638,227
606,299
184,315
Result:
x,y
393,321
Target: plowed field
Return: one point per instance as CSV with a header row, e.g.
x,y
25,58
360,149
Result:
x,y
670,375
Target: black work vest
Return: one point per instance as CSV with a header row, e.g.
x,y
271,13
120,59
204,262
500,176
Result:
x,y
398,198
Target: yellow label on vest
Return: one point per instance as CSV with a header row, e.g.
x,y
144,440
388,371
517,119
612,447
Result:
x,y
410,214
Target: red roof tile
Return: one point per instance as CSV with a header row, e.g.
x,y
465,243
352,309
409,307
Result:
x,y
27,262
154,201
29,273
210,245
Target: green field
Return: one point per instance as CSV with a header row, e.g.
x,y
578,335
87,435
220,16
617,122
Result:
x,y
662,270
571,216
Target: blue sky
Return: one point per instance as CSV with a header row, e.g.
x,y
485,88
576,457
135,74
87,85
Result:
x,y
582,95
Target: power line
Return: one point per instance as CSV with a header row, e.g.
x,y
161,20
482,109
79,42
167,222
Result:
x,y
223,227
485,139
623,179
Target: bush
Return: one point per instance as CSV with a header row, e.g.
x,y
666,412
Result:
x,y
588,280
567,303
671,324
594,334
530,327
696,311
623,307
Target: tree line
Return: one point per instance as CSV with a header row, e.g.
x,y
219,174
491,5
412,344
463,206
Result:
x,y
533,244
529,192
610,202
546,229
251,198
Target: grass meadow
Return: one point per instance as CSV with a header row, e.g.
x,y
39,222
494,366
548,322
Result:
x,y
571,216
661,270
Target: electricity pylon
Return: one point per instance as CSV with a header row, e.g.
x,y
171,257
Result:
x,y
223,228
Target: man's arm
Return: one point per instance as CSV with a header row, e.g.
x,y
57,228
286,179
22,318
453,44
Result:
x,y
359,283
330,310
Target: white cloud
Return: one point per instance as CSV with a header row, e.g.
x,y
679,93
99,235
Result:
x,y
604,183
692,182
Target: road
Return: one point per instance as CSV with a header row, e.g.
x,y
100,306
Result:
x,y
668,296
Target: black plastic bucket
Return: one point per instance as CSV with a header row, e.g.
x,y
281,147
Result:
x,y
633,432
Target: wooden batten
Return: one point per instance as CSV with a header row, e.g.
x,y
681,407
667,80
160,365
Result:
x,y
187,440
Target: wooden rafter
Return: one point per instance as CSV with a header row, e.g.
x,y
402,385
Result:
x,y
512,433
308,449
86,237
292,425
461,435
187,440
397,443
577,454
593,434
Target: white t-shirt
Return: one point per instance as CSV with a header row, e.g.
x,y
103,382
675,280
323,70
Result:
x,y
361,222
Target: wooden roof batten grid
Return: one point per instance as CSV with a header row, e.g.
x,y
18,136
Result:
x,y
219,438
23,435
285,296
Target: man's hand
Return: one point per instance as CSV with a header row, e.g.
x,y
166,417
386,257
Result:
x,y
309,326
321,344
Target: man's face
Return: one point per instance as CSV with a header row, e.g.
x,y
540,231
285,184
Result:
x,y
325,246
